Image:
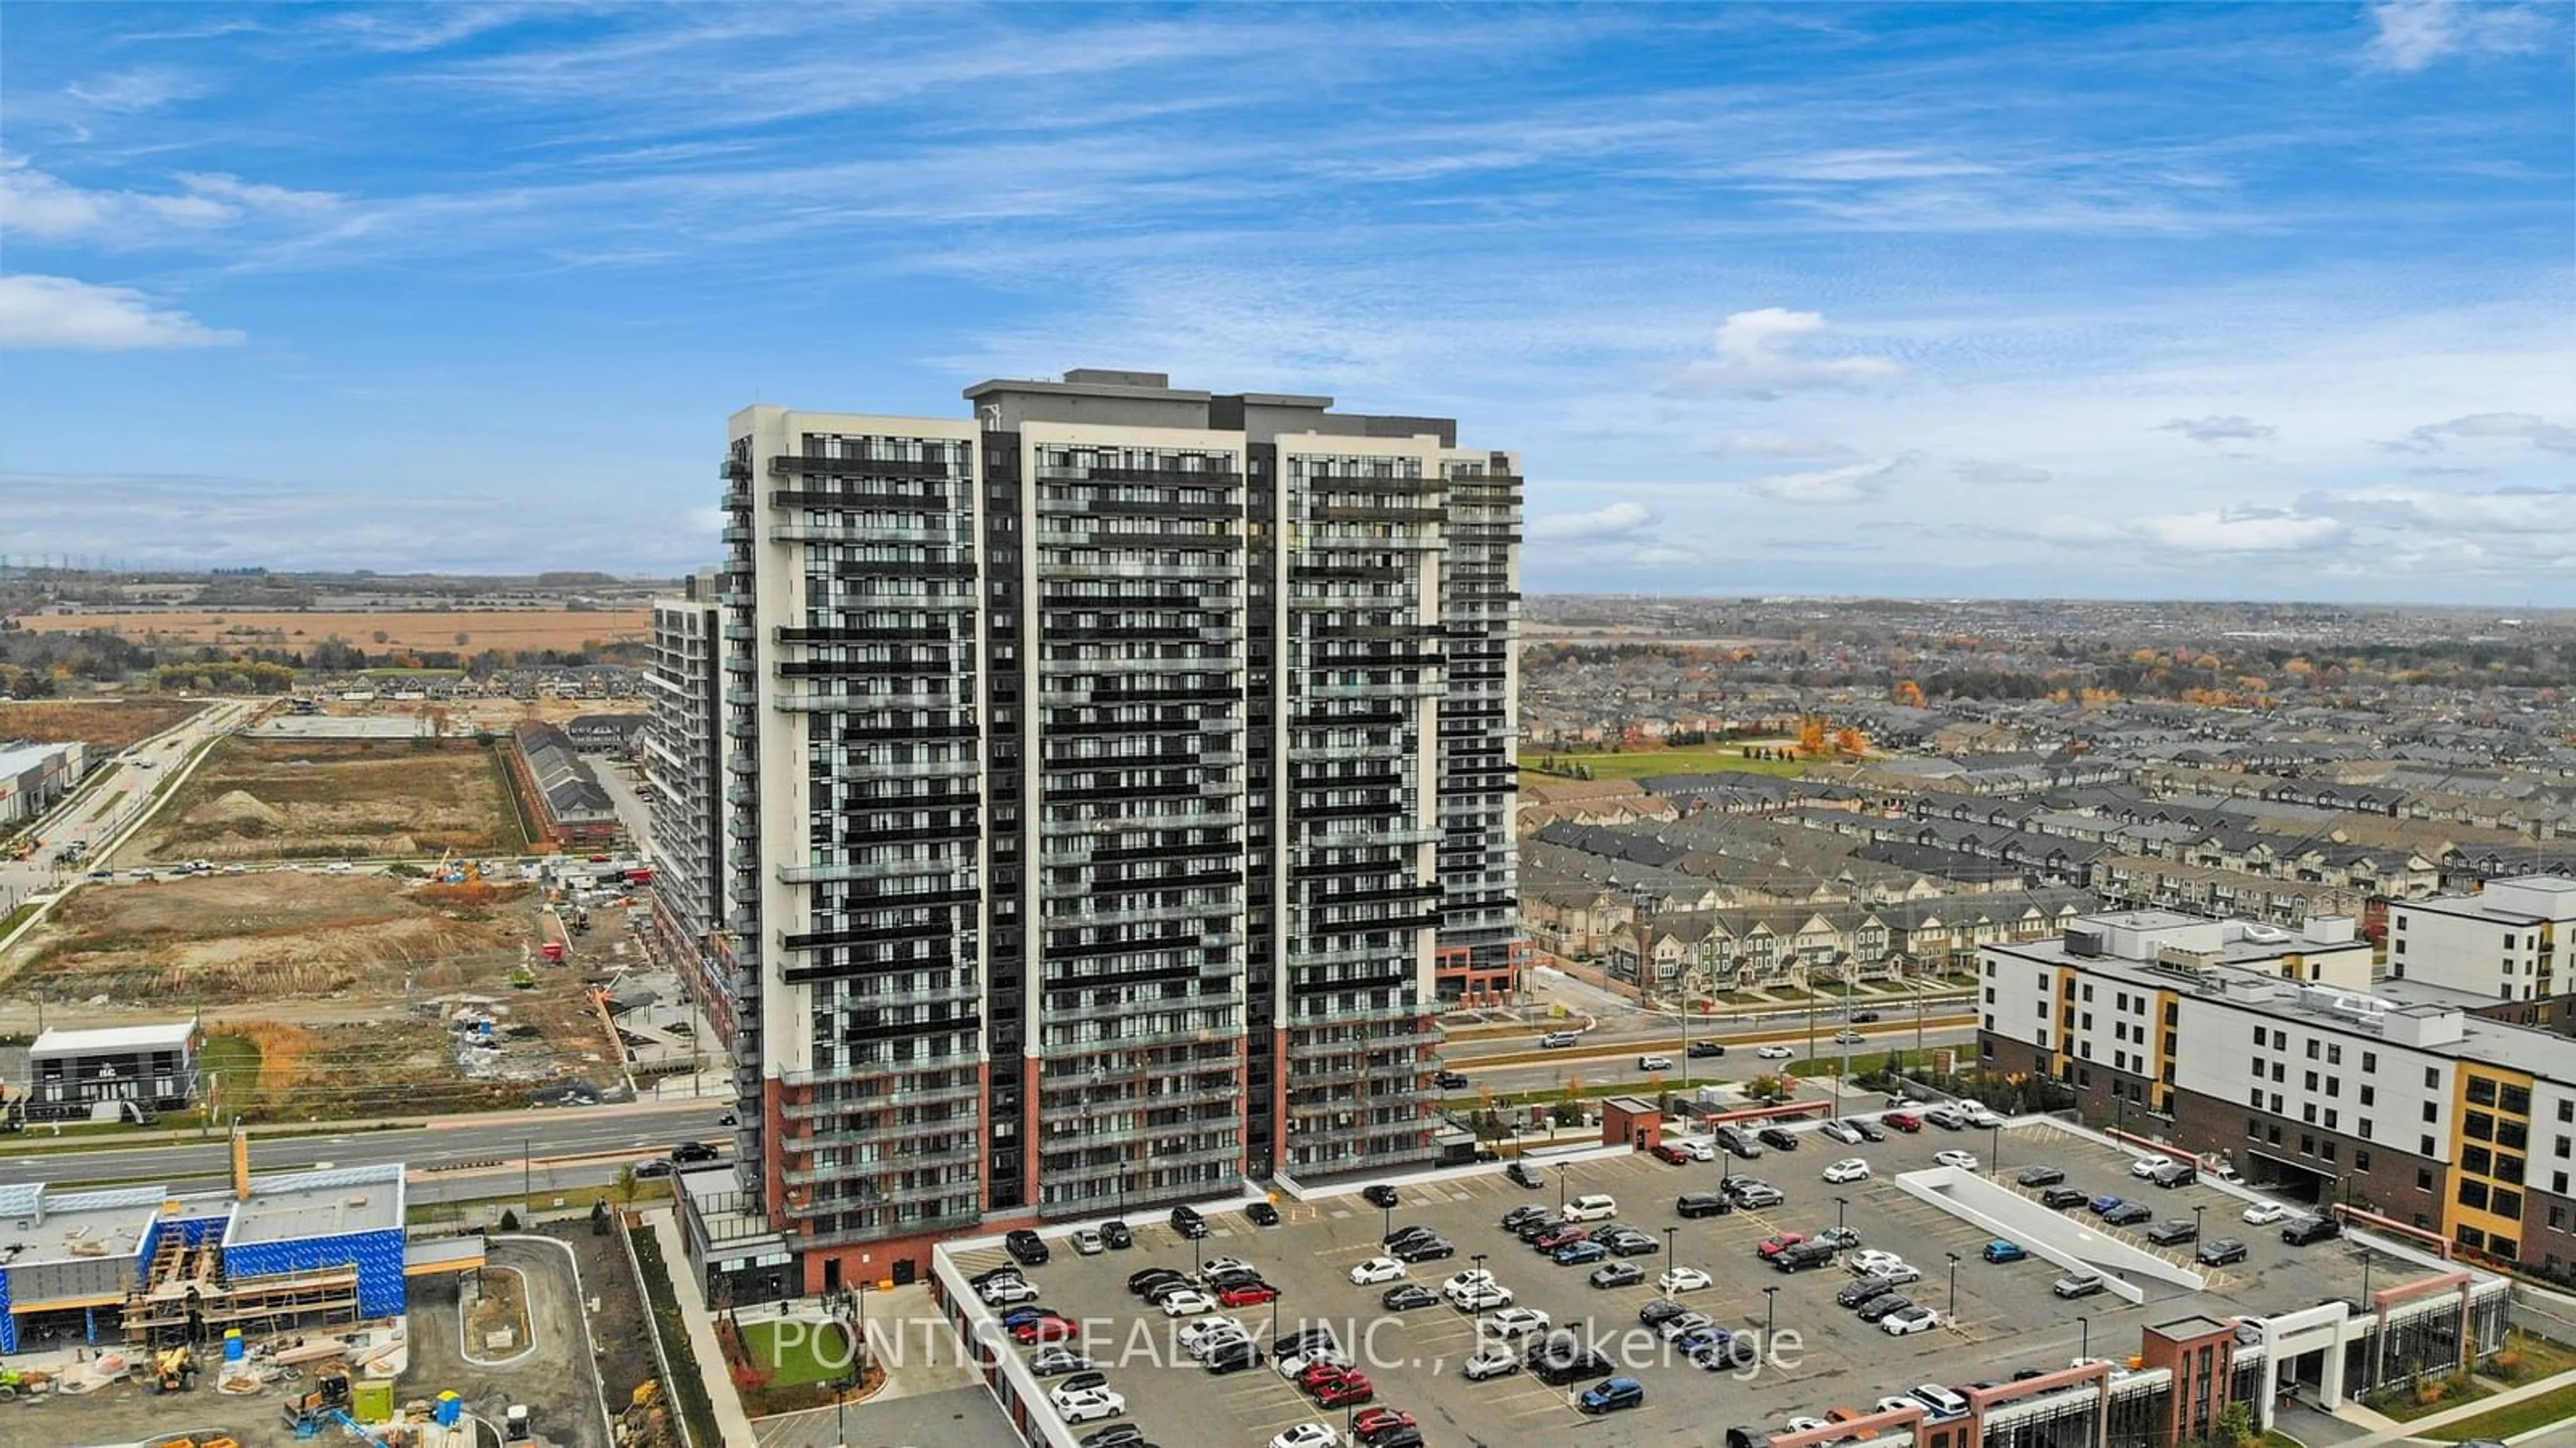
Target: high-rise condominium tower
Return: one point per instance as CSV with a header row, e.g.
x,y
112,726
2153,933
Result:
x,y
1114,781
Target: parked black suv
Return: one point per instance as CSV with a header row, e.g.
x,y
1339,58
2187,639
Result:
x,y
2039,1176
1800,1256
2061,1198
1187,1221
1024,1247
1378,1195
1115,1236
1862,1289
1701,1204
1779,1138
1562,1360
2174,1174
2311,1229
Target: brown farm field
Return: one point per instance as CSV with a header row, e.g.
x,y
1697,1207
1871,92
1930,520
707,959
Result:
x,y
106,725
257,800
461,630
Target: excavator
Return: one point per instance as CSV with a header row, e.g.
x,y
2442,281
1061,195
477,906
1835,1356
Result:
x,y
326,1402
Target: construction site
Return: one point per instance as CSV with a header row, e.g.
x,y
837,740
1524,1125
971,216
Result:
x,y
253,800
462,986
285,1309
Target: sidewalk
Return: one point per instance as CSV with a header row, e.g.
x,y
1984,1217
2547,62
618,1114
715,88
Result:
x,y
731,1421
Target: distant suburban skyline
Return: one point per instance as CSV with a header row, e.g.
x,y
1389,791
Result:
x,y
2213,301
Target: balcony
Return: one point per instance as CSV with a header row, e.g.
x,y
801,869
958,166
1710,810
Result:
x,y
806,701
961,865
957,536
797,465
733,533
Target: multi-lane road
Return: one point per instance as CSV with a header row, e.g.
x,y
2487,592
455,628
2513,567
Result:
x,y
605,1137
107,811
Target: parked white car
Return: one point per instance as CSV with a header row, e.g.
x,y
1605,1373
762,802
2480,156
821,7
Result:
x,y
1591,1207
1682,1279
1198,1334
1472,1277
1083,1405
1086,1240
1849,1169
1981,1116
1307,1435
1480,1297
1917,1318
1376,1270
1963,1160
1842,1131
1188,1302
2145,1166
2264,1214
1215,1267
1007,1292
1493,1360
1872,1259
1698,1148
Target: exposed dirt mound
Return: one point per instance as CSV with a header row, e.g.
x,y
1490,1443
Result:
x,y
238,808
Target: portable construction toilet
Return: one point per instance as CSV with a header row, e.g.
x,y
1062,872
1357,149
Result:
x,y
514,1424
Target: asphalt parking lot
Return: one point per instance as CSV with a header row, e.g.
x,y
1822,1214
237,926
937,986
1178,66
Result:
x,y
1820,1355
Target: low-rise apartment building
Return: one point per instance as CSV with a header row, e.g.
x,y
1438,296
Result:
x,y
2502,942
2277,1052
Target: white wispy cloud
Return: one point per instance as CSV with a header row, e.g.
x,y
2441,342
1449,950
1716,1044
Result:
x,y
2538,431
38,204
2229,428
146,88
59,314
2409,35
1834,487
1617,520
1970,470
1764,353
1760,444
2204,535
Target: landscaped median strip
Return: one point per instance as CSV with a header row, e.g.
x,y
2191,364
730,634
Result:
x,y
1882,1032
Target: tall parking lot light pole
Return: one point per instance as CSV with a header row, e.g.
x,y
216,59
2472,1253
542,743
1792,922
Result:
x,y
1995,1149
1770,1302
1671,1262
1839,1204
1560,1190
1479,1284
2196,1223
1954,1286
2084,1343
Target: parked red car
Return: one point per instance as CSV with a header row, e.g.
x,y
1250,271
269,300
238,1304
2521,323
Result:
x,y
1317,1375
1666,1151
1774,1245
1379,1421
1902,1121
1248,1294
1050,1328
1554,1238
1344,1391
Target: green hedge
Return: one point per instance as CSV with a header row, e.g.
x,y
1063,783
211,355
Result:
x,y
697,1412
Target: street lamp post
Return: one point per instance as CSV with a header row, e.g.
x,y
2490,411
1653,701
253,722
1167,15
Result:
x,y
1839,1204
1770,1301
860,1328
1385,1222
2085,1341
1995,1148
1672,1263
1954,1285
1479,1285
2196,1214
1560,1190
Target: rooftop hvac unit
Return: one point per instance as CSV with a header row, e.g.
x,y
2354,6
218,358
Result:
x,y
2086,943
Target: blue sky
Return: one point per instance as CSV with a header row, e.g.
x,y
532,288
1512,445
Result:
x,y
2201,300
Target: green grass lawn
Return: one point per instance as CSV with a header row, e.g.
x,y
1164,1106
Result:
x,y
1638,763
801,1356
2539,1412
233,1063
